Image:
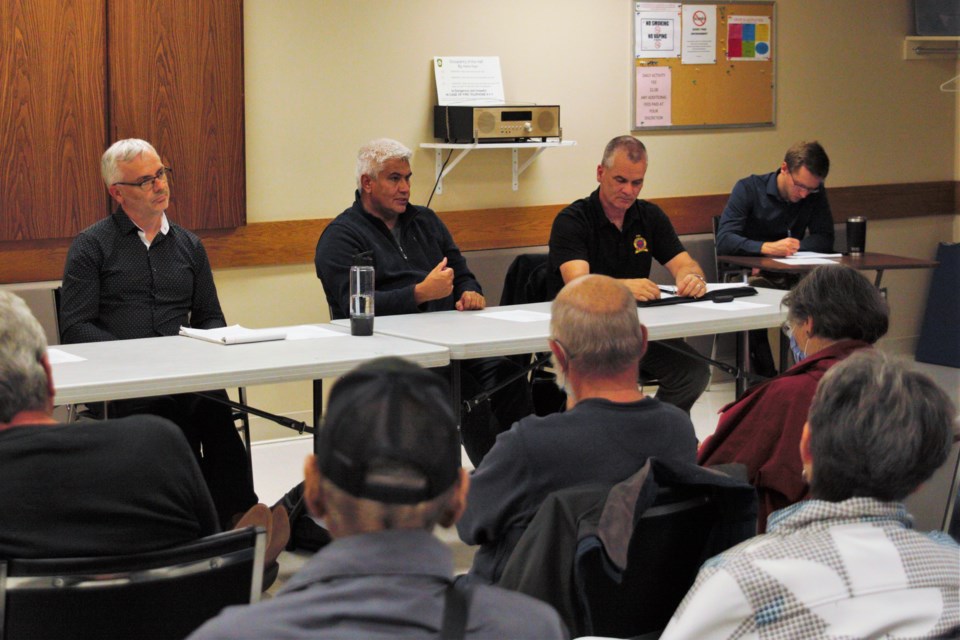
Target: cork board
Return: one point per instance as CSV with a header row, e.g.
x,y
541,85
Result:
x,y
699,80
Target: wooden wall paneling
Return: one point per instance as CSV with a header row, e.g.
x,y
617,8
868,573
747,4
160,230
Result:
x,y
176,80
52,117
294,241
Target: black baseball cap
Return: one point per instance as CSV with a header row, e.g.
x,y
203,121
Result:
x,y
390,433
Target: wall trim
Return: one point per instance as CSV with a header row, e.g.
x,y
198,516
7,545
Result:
x,y
290,242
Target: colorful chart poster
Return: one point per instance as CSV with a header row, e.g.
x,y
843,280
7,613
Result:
x,y
748,38
654,97
656,30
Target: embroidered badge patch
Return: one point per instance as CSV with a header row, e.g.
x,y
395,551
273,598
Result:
x,y
640,244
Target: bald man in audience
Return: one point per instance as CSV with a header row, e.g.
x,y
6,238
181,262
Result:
x,y
608,431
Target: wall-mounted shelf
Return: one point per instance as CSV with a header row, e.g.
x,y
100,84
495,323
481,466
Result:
x,y
515,147
930,47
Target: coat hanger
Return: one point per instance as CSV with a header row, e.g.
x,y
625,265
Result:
x,y
951,85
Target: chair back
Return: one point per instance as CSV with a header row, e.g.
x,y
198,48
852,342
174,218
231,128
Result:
x,y
159,594
526,280
664,555
725,272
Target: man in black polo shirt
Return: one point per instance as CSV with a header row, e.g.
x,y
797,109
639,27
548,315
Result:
x,y
134,274
613,233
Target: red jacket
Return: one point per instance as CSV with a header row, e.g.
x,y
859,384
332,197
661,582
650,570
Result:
x,y
762,430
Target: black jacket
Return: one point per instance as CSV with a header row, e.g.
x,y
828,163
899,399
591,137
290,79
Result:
x,y
424,242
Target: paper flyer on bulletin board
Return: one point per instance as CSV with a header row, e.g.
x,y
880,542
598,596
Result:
x,y
657,29
699,34
704,64
653,97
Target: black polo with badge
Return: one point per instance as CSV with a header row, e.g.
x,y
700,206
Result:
x,y
582,232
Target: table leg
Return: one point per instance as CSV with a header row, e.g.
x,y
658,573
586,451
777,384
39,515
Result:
x,y
743,360
455,388
876,281
317,412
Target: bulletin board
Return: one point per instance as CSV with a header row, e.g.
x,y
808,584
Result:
x,y
704,65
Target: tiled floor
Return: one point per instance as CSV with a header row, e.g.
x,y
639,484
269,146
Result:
x,y
278,466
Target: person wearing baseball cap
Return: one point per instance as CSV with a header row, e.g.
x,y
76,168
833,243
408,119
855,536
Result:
x,y
387,470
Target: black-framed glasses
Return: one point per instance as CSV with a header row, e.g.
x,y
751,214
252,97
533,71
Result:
x,y
810,190
146,184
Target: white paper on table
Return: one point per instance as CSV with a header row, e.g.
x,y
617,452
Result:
x,y
804,261
800,255
734,305
56,356
668,290
517,316
720,286
234,334
309,332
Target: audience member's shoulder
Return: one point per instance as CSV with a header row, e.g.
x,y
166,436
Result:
x,y
673,412
509,614
141,427
944,542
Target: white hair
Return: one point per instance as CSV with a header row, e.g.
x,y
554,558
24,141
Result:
x,y
122,151
23,380
373,155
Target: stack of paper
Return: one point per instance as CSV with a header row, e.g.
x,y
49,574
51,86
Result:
x,y
234,334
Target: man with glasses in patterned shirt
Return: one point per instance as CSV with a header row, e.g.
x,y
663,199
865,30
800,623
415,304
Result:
x,y
135,274
777,214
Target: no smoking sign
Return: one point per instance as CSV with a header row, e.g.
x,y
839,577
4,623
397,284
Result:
x,y
699,18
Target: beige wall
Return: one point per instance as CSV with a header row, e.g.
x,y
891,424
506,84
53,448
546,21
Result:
x,y
324,76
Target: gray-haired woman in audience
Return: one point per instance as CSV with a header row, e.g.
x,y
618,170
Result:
x,y
833,312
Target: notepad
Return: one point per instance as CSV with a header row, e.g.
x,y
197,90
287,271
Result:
x,y
234,334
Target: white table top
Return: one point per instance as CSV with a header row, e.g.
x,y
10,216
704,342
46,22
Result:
x,y
472,334
155,366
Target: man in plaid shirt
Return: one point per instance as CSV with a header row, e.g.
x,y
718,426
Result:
x,y
846,563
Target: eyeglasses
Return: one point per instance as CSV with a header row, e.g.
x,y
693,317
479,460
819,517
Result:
x,y
787,329
570,355
146,184
810,190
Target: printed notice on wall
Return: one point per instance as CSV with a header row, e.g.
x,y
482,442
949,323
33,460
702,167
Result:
x,y
654,101
748,38
699,34
472,80
657,30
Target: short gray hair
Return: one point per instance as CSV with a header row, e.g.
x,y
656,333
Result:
x,y
844,305
23,380
877,429
635,150
373,155
594,318
122,151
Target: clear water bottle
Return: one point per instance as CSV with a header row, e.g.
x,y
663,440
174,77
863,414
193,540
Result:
x,y
361,294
